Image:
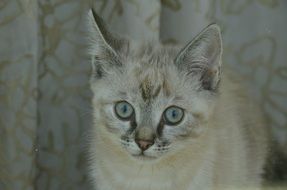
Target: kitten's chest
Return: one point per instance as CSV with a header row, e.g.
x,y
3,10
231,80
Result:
x,y
153,178
137,178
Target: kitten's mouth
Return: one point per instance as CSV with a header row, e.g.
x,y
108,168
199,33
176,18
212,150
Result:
x,y
142,156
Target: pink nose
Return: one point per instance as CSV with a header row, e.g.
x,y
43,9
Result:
x,y
144,144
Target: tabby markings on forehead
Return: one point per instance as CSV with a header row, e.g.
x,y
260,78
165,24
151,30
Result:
x,y
148,90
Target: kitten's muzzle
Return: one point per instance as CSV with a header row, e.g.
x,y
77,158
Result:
x,y
144,137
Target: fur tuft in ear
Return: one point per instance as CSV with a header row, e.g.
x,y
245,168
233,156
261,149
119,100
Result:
x,y
202,56
104,47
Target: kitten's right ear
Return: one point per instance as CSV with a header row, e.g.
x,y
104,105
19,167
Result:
x,y
104,47
202,57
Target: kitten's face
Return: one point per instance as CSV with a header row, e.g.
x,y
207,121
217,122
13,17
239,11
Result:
x,y
152,100
152,103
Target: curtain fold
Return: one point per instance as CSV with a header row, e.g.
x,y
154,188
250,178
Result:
x,y
45,105
18,93
63,103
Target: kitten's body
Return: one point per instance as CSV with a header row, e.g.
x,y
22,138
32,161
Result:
x,y
222,145
230,153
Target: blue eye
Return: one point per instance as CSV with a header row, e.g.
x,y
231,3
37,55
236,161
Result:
x,y
123,110
173,115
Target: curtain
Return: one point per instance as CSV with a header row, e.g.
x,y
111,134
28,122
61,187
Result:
x,y
45,105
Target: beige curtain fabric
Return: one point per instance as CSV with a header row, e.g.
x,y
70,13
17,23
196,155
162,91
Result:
x,y
18,93
44,93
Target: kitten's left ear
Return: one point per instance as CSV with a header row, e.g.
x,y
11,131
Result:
x,y
105,48
202,56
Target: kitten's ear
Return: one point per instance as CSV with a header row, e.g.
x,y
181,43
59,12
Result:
x,y
105,48
202,56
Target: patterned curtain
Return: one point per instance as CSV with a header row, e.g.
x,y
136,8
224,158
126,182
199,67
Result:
x,y
44,71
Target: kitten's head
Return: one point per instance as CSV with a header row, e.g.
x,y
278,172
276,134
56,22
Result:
x,y
149,99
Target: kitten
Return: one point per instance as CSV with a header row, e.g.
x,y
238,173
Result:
x,y
167,118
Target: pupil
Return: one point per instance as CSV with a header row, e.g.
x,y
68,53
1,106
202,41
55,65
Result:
x,y
125,108
173,113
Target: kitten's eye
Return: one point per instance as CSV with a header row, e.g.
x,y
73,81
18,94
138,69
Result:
x,y
123,110
173,115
